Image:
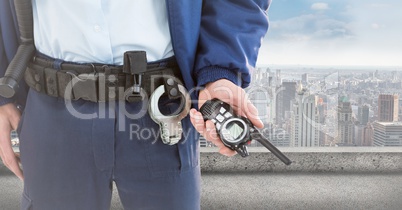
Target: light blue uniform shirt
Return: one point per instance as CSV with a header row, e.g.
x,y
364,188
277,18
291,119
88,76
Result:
x,y
100,31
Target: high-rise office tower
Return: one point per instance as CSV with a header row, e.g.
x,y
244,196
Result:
x,y
280,138
395,76
388,108
260,93
359,134
277,136
260,97
363,114
260,76
368,135
400,109
305,126
278,77
305,79
387,134
345,124
284,95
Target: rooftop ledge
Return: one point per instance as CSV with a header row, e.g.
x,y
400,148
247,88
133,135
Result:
x,y
304,159
229,182
313,159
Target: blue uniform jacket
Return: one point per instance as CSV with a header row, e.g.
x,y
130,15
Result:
x,y
212,39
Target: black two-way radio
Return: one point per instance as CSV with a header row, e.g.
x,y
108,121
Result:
x,y
236,131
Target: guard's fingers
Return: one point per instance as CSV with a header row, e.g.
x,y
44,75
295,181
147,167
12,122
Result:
x,y
227,152
252,114
211,133
13,117
1,155
247,109
14,122
18,156
207,129
8,156
197,121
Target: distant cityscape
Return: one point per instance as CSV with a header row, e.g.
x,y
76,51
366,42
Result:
x,y
314,107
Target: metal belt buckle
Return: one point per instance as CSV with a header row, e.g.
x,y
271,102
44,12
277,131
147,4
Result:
x,y
170,126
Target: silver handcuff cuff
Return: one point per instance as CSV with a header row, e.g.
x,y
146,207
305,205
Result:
x,y
171,128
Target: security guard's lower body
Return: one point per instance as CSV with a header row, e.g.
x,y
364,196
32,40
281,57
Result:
x,y
70,163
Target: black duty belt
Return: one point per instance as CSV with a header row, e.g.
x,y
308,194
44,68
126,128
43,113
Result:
x,y
132,81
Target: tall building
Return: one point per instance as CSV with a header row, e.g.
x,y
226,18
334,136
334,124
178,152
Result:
x,y
368,135
395,76
363,114
280,138
387,134
359,134
262,102
305,129
260,76
278,77
304,79
284,95
345,124
260,93
400,109
388,108
277,136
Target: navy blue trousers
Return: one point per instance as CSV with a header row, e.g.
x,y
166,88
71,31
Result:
x,y
71,154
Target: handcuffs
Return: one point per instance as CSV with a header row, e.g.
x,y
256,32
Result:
x,y
170,125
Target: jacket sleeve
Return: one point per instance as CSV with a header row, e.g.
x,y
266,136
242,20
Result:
x,y
230,37
9,41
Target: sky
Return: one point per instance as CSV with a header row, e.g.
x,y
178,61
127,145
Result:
x,y
334,33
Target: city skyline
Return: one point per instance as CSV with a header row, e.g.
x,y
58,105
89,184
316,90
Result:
x,y
333,33
346,106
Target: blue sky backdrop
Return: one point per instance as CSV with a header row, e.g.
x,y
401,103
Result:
x,y
334,33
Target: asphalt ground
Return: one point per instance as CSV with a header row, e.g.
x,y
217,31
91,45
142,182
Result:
x,y
272,191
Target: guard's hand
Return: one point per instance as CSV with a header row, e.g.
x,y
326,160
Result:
x,y
232,94
9,118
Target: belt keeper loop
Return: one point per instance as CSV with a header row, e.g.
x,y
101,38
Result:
x,y
103,94
57,64
102,87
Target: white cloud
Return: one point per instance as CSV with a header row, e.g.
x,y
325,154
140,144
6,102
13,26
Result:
x,y
375,26
380,5
310,26
295,37
360,32
319,6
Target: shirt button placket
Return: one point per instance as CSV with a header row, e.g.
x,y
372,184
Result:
x,y
97,28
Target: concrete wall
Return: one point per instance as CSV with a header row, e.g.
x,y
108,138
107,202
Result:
x,y
319,159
